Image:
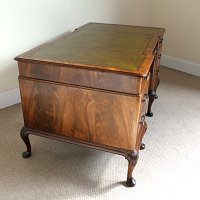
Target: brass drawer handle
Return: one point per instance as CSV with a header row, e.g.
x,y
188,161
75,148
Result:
x,y
145,98
147,77
161,39
142,120
143,117
155,51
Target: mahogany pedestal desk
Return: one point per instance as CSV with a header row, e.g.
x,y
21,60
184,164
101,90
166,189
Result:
x,y
92,87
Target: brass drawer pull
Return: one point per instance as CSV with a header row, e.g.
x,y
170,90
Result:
x,y
145,98
161,39
143,117
142,120
147,77
155,51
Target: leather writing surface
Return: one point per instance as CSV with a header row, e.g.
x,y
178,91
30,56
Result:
x,y
115,47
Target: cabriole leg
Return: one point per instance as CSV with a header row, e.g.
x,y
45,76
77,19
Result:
x,y
132,161
152,97
25,138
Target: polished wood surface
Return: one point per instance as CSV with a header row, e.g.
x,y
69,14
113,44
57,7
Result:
x,y
92,87
93,116
83,77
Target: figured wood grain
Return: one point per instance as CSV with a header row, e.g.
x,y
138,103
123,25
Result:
x,y
83,77
92,116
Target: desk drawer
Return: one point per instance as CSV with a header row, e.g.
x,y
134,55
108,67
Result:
x,y
82,77
144,101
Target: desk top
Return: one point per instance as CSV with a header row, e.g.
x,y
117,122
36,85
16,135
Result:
x,y
119,48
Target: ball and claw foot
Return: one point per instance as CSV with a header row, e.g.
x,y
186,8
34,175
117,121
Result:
x,y
149,114
142,146
25,138
130,182
26,154
132,158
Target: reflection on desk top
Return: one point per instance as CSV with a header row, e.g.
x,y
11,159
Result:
x,y
120,48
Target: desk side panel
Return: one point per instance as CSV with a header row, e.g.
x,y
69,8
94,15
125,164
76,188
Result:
x,y
93,116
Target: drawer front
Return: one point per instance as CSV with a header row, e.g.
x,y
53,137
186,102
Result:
x,y
144,106
155,66
93,116
144,102
82,77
